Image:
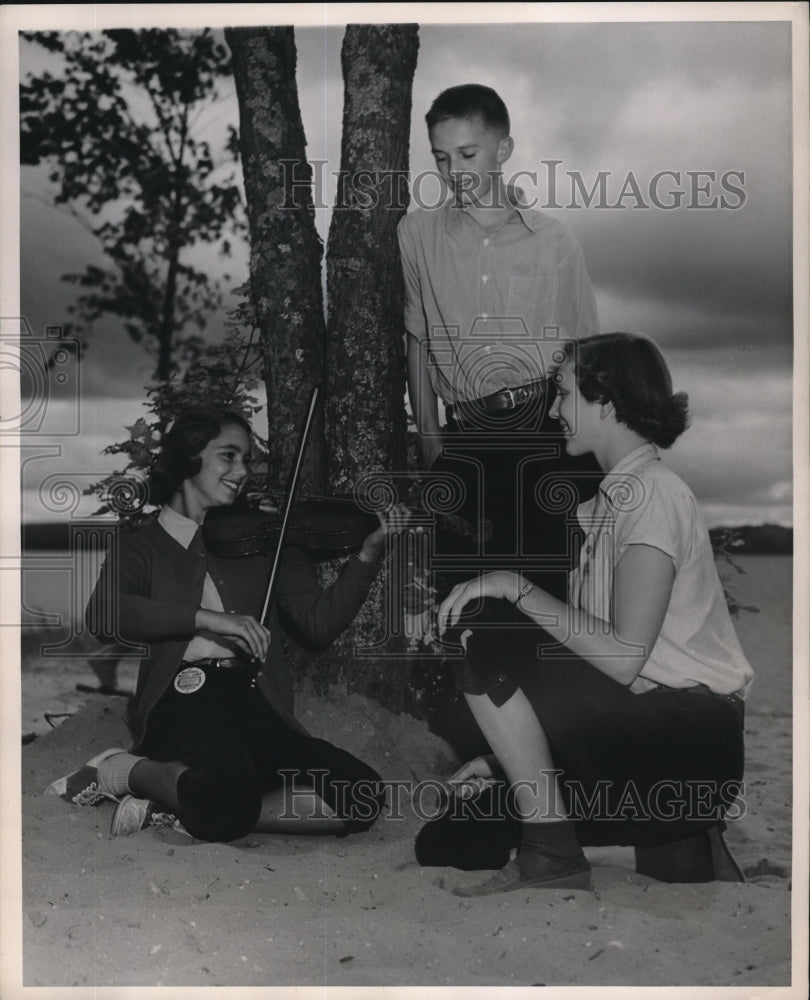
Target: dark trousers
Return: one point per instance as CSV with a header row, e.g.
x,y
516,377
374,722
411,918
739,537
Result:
x,y
237,749
637,769
518,496
519,491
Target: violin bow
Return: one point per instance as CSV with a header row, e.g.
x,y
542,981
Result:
x,y
299,461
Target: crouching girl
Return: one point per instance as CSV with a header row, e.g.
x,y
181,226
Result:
x,y
618,718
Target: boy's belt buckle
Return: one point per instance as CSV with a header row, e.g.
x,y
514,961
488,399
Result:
x,y
508,399
505,399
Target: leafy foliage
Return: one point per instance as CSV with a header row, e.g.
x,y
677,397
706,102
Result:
x,y
226,376
118,127
724,545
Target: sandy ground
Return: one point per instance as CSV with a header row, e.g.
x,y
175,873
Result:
x,y
150,910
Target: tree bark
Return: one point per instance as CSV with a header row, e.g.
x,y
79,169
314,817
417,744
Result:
x,y
286,251
362,352
365,425
365,368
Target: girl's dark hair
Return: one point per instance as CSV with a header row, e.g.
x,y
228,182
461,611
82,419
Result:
x,y
468,101
629,371
182,445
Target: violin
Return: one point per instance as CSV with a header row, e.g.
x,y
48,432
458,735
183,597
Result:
x,y
280,528
324,526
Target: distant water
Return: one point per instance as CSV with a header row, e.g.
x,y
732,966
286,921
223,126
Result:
x,y
766,635
55,589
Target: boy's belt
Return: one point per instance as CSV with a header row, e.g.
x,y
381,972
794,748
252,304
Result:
x,y
506,399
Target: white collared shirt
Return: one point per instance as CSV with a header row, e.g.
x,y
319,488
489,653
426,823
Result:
x,y
642,502
182,529
492,307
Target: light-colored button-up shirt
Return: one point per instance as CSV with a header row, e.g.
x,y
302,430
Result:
x,y
494,306
182,530
642,502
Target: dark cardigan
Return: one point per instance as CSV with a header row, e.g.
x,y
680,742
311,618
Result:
x,y
150,589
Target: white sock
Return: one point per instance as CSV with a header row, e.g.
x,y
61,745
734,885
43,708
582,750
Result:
x,y
113,773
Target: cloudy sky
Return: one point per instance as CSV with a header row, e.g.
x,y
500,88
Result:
x,y
672,144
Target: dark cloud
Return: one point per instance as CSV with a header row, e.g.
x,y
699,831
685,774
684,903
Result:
x,y
630,101
583,75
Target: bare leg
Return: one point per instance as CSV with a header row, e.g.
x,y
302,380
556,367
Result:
x,y
297,811
288,810
550,855
518,741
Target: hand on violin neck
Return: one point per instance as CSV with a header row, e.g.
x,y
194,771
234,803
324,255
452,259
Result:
x,y
396,520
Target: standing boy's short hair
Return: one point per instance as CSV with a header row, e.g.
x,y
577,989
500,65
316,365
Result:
x,y
470,100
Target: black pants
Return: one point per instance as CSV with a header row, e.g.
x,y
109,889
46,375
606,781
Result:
x,y
519,491
237,749
637,769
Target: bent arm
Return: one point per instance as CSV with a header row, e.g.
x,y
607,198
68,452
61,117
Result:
x,y
642,586
319,613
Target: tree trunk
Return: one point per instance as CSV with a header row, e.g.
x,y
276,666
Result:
x,y
166,331
365,374
365,370
365,425
286,251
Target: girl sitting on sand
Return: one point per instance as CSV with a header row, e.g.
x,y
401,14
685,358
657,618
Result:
x,y
618,717
215,744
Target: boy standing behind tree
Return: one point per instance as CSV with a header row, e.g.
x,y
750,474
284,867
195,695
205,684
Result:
x,y
493,290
